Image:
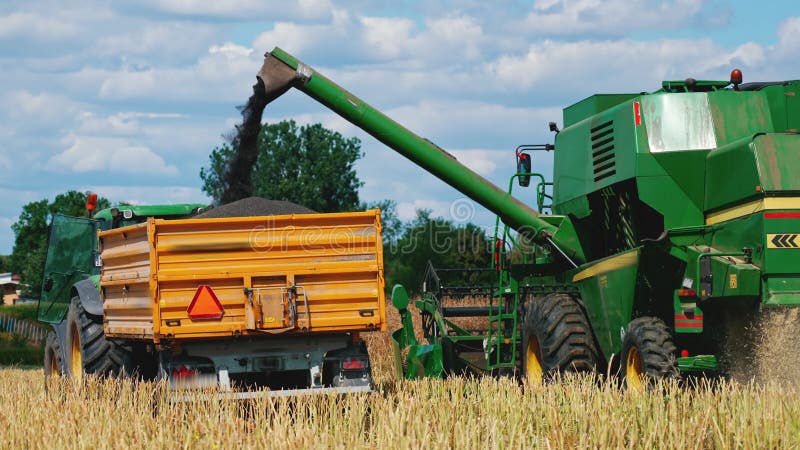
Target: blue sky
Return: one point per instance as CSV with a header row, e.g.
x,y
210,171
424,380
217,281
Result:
x,y
127,99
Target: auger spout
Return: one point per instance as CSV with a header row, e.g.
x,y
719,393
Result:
x,y
282,71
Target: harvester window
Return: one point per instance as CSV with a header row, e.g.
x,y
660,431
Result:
x,y
677,122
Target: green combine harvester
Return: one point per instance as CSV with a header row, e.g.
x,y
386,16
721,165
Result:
x,y
675,222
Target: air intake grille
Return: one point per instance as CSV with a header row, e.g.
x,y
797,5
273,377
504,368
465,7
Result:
x,y
603,155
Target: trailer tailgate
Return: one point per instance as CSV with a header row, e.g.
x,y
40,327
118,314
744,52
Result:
x,y
302,273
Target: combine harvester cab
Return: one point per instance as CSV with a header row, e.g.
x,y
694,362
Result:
x,y
236,304
673,226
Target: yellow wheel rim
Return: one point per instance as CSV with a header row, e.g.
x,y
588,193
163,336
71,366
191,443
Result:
x,y
533,362
633,370
76,359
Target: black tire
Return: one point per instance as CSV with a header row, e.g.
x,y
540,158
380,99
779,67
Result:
x,y
98,355
53,357
648,353
557,338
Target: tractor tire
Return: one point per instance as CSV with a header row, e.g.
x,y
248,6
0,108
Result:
x,y
88,351
53,357
648,353
557,338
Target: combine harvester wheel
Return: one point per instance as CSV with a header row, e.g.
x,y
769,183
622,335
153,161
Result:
x,y
556,338
648,353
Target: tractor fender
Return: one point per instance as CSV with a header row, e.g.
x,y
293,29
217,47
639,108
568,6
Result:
x,y
89,295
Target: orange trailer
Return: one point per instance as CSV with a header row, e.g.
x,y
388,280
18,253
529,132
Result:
x,y
249,300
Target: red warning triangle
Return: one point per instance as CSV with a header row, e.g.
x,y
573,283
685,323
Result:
x,y
205,304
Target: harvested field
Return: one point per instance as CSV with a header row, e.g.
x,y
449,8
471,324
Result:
x,y
580,412
457,413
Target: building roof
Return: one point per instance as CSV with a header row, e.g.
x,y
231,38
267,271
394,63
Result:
x,y
9,278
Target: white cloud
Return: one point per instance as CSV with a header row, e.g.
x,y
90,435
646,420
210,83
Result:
x,y
223,72
43,107
231,50
152,43
789,37
616,17
387,37
484,162
95,154
246,9
615,63
121,124
408,210
37,26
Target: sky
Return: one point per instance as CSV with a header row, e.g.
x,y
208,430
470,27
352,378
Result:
x,y
127,99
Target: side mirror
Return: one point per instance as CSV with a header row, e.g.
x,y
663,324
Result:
x,y
524,166
399,297
48,284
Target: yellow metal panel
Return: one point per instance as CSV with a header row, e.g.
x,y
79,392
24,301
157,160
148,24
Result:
x,y
607,265
125,281
328,267
746,209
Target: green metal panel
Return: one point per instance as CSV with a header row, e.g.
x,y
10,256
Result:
x,y
593,154
792,95
777,161
608,289
781,265
739,114
71,252
732,175
687,170
665,195
593,105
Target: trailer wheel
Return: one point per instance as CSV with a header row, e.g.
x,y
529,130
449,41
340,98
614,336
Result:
x,y
648,353
556,338
88,351
53,357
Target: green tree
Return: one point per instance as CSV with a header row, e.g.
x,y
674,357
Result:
x,y
309,165
439,241
392,226
30,236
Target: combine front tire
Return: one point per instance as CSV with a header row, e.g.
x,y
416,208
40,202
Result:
x,y
556,338
648,353
53,357
88,351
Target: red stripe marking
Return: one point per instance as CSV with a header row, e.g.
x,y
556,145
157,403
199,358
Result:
x,y
782,215
697,317
637,113
688,324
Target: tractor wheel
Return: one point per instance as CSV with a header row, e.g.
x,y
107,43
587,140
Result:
x,y
53,358
556,338
648,353
88,351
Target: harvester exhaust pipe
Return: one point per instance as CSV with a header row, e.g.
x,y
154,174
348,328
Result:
x,y
282,71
